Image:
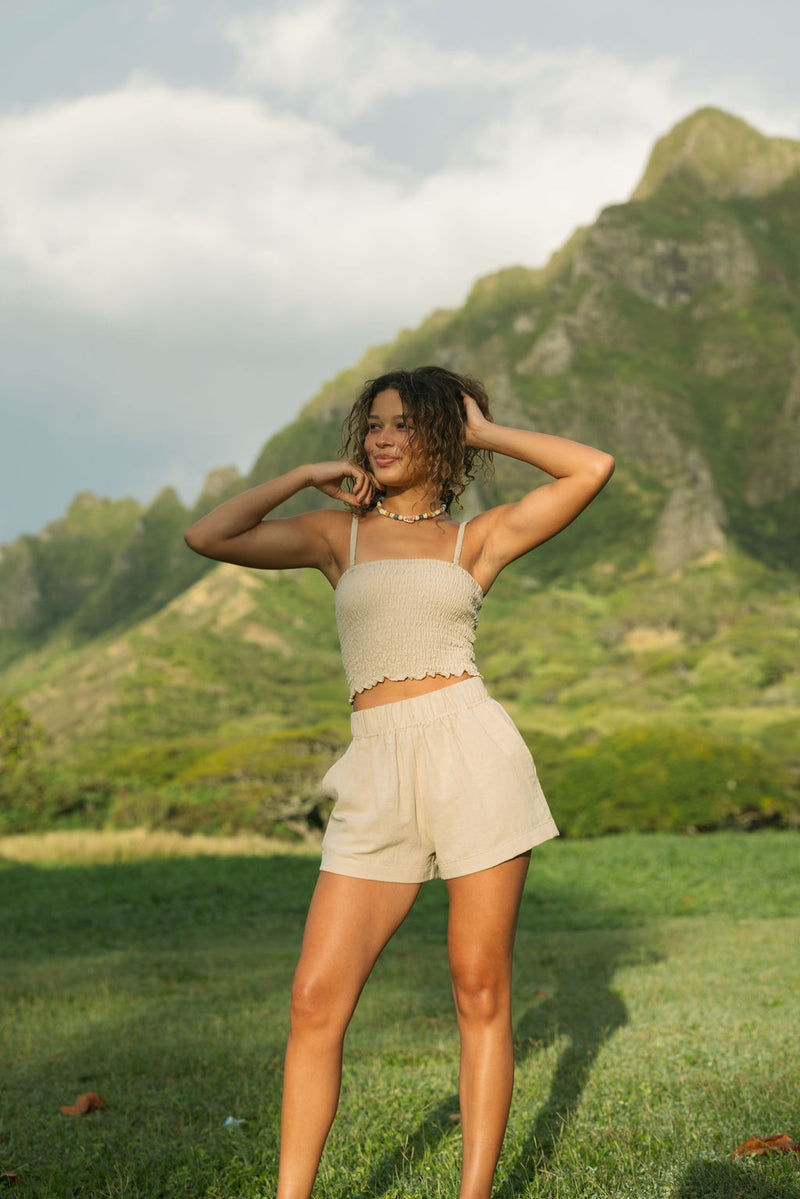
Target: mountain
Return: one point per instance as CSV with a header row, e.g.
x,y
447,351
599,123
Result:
x,y
668,333
46,580
105,564
724,154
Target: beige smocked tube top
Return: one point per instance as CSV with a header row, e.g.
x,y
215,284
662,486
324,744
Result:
x,y
406,618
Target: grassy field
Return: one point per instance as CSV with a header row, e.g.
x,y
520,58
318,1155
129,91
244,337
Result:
x,y
657,1018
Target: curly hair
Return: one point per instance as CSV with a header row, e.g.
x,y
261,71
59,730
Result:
x,y
431,397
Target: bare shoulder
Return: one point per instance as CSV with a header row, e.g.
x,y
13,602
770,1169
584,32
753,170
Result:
x,y
326,521
337,522
477,554
329,523
333,526
478,526
478,530
315,539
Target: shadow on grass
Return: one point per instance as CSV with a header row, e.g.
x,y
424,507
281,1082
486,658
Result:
x,y
740,1180
581,1008
578,1006
68,911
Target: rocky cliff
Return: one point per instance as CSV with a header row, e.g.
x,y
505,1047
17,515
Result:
x,y
668,333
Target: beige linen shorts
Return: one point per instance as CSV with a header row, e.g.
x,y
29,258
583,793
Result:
x,y
433,787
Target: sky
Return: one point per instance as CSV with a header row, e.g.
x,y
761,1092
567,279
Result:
x,y
207,209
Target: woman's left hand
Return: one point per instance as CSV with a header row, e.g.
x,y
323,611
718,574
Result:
x,y
476,423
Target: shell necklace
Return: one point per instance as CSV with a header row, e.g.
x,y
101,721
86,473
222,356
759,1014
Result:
x,y
409,520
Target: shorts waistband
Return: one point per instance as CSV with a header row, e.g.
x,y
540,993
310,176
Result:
x,y
421,709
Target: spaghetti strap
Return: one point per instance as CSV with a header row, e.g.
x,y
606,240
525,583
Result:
x,y
459,540
353,536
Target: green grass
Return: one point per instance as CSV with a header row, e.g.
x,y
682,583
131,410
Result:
x,y
657,1025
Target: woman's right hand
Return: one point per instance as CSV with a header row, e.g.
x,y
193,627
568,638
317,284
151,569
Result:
x,y
238,530
328,477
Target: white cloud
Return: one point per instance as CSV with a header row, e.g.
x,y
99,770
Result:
x,y
167,248
150,202
189,213
339,59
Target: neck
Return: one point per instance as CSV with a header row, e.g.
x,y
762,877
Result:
x,y
410,503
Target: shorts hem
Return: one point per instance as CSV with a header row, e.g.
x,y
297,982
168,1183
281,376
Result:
x,y
335,863
500,853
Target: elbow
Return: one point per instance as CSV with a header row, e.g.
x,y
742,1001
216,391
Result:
x,y
195,541
605,469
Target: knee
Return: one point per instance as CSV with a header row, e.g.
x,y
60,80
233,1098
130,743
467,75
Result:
x,y
313,1006
482,993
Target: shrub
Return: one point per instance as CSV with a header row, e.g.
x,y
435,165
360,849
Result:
x,y
653,778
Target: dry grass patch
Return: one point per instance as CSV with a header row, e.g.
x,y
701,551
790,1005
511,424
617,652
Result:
x,y
135,844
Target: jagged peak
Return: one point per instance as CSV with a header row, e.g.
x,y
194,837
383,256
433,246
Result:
x,y
87,501
90,513
723,152
167,495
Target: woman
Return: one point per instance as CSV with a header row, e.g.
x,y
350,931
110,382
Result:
x,y
437,780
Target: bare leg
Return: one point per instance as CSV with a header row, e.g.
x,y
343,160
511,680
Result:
x,y
483,919
349,922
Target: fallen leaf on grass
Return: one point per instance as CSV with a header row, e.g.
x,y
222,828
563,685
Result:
x,y
83,1104
782,1143
7,1178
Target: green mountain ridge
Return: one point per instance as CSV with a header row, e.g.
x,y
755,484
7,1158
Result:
x,y
724,152
667,333
105,564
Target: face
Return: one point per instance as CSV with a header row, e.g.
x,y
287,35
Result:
x,y
387,443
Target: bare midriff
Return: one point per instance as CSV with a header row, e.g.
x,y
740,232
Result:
x,y
390,691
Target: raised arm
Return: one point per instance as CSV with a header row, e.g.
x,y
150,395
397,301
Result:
x,y
238,532
510,530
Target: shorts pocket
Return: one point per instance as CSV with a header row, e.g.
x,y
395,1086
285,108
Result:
x,y
328,785
499,726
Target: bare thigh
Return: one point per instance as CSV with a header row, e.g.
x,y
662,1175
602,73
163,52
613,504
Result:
x,y
484,909
349,922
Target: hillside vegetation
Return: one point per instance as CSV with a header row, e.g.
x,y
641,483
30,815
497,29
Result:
x,y
649,653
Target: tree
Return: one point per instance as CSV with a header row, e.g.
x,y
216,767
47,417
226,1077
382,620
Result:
x,y
20,736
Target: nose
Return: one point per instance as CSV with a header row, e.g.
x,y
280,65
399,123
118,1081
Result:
x,y
384,437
